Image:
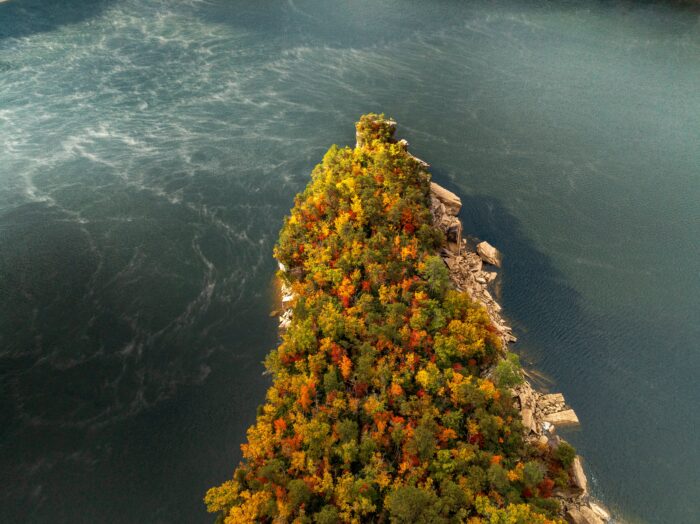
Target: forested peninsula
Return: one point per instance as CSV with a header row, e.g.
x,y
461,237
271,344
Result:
x,y
394,396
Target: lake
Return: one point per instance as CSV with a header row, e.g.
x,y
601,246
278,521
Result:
x,y
149,151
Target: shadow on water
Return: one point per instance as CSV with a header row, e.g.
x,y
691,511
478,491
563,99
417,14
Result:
x,y
20,18
534,294
557,338
597,362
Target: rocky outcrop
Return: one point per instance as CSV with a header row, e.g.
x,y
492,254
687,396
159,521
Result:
x,y
541,413
592,513
562,418
444,206
579,476
600,511
583,515
543,410
452,203
489,254
287,299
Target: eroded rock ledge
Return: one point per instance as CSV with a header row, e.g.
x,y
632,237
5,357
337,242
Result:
x,y
472,271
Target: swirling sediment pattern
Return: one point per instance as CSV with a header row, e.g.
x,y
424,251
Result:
x,y
149,150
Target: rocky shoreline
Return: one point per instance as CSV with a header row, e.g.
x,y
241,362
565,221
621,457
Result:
x,y
473,271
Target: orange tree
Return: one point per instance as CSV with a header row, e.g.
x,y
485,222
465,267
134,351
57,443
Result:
x,y
379,410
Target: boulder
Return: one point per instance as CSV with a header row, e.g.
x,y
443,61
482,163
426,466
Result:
x,y
451,261
285,319
573,516
599,510
579,476
529,420
420,162
489,254
583,515
562,418
525,394
454,237
451,201
553,399
475,264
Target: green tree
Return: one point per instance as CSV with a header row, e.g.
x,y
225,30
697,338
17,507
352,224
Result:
x,y
327,515
508,372
565,453
533,474
412,505
298,492
436,275
498,478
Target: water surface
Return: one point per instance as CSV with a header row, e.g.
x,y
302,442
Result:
x,y
149,150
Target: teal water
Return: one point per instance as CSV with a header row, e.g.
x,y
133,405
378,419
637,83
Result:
x,y
149,150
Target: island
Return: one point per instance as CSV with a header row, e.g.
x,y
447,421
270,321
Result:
x,y
394,396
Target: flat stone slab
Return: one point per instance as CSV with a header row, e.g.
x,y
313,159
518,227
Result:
x,y
451,201
489,254
580,479
583,515
562,418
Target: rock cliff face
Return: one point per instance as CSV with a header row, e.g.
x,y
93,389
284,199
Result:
x,y
541,413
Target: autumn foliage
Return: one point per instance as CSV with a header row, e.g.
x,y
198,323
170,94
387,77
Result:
x,y
379,410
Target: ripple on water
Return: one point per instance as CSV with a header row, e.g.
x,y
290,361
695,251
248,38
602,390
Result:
x,y
148,151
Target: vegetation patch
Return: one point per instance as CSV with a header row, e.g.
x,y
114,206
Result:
x,y
380,409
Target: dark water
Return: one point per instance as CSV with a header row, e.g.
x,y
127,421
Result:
x,y
150,149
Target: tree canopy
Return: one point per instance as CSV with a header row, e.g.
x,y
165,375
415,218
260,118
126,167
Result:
x,y
379,409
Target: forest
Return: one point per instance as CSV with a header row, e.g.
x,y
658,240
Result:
x,y
391,394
